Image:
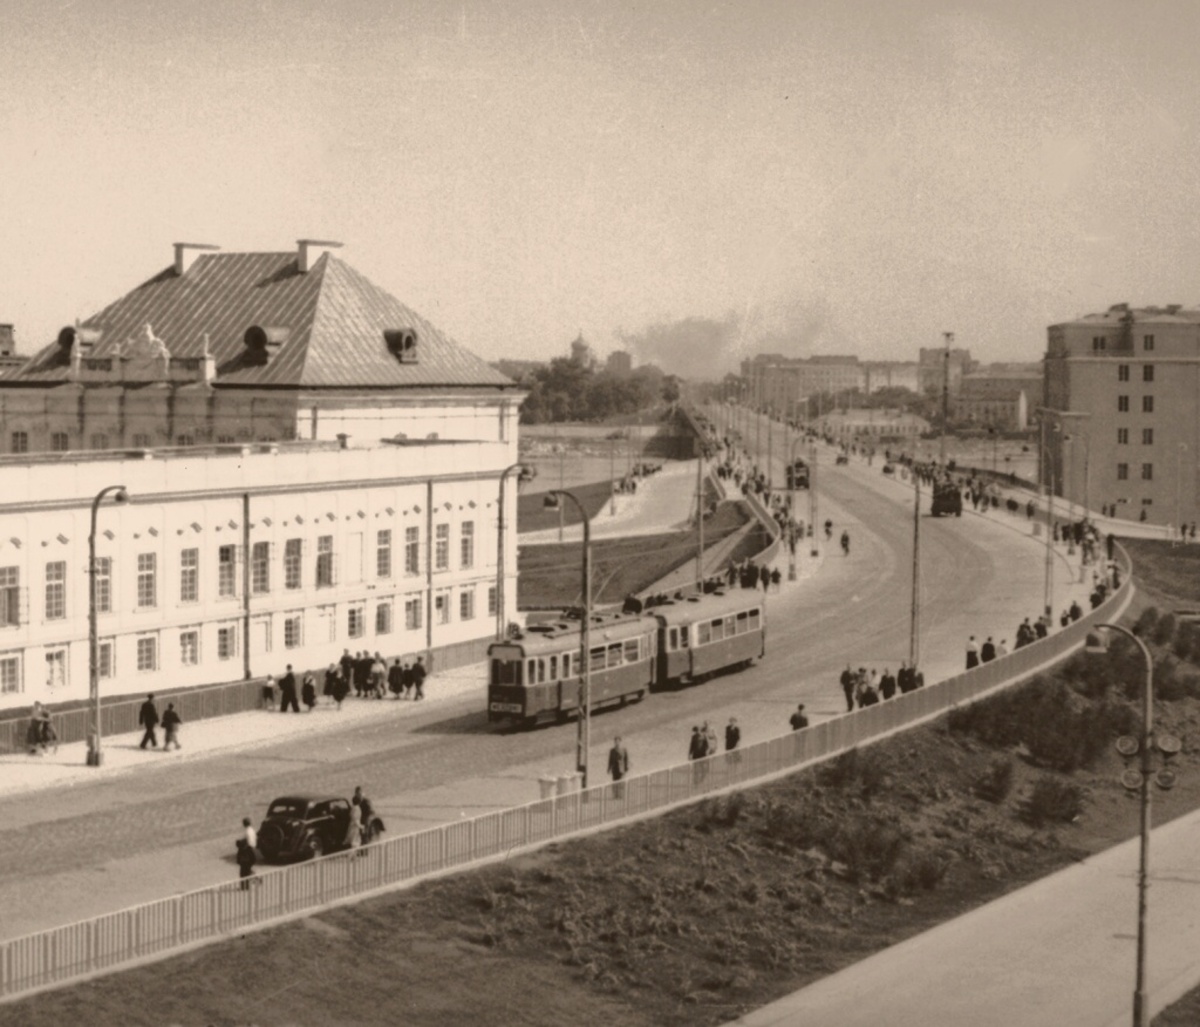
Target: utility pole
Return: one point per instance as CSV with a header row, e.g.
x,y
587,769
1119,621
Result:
x,y
914,631
949,336
700,519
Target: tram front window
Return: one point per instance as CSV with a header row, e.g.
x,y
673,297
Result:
x,y
506,672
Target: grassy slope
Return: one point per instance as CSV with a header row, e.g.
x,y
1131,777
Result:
x,y
686,919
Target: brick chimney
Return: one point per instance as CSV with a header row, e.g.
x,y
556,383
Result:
x,y
187,252
312,250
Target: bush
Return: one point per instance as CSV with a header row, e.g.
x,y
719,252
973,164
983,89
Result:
x,y
1146,621
852,770
722,812
996,782
1052,801
921,872
1184,645
868,847
1164,630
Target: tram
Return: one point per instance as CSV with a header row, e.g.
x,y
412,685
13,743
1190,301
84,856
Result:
x,y
536,676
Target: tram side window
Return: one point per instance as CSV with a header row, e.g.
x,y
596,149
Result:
x,y
531,672
614,655
683,637
541,671
566,664
730,626
632,650
703,634
553,668
673,637
755,619
596,659
718,631
743,623
506,672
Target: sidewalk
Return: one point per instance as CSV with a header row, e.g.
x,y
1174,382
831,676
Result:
x,y
1057,953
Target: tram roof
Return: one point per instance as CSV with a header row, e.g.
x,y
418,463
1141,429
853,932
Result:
x,y
709,605
605,628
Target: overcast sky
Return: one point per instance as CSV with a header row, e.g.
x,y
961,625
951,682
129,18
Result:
x,y
842,176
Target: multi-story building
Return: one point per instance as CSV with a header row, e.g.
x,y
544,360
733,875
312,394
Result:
x,y
1122,418
933,366
872,425
890,374
243,347
619,363
1000,395
230,562
9,358
782,383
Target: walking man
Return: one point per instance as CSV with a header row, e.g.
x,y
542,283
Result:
x,y
972,653
847,680
287,692
170,722
418,673
798,720
618,766
733,734
148,718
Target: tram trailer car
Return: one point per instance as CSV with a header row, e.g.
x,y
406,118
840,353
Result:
x,y
535,677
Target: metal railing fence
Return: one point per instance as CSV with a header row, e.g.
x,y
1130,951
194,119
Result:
x,y
63,954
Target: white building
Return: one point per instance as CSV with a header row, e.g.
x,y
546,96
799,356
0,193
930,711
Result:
x,y
230,562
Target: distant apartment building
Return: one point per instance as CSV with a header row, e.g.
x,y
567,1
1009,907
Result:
x,y
619,363
1122,398
890,374
872,424
1000,396
933,367
782,383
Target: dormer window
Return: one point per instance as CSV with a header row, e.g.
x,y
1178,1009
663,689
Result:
x,y
402,344
261,342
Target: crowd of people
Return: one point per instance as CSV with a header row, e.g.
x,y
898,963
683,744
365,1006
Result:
x,y
369,675
863,687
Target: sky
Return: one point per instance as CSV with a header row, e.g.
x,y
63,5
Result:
x,y
696,182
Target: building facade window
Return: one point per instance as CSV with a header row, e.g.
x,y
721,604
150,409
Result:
x,y
441,608
1122,372
1147,472
1147,404
1147,436
412,614
1123,404
99,441
1098,343
293,555
104,584
325,561
189,647
493,604
441,549
105,658
412,551
141,441
260,568
227,643
1147,372
189,575
1122,436
355,622
147,653
19,442
10,597
466,604
56,590
1148,342
147,581
60,442
10,674
467,544
293,633
383,619
56,668
226,571
1122,472
383,554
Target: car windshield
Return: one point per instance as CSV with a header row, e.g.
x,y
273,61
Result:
x,y
287,808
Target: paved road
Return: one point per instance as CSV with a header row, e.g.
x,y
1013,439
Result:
x,y
110,844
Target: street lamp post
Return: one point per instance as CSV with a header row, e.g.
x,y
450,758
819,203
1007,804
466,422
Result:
x,y
812,496
1141,1010
501,617
582,743
94,757
1049,493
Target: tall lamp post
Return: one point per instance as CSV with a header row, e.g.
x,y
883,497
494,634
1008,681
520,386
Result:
x,y
554,501
94,757
1049,493
524,475
1096,644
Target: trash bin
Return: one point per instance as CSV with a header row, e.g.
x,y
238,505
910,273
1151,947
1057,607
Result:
x,y
567,783
548,786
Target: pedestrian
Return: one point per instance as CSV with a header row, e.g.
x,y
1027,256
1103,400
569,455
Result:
x,y
308,691
776,578
1002,648
329,687
396,679
268,693
733,734
148,718
406,678
710,739
418,672
341,688
847,680
618,766
887,684
972,653
366,815
245,861
698,746
1075,611
987,652
764,577
287,692
347,665
249,833
904,678
378,677
171,722
36,737
798,719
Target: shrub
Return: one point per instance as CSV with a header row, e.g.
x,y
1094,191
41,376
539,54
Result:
x,y
1144,625
1052,801
1184,645
1169,684
1164,630
996,782
722,812
868,847
854,770
921,872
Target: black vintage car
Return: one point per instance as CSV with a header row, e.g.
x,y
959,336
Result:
x,y
303,827
841,459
